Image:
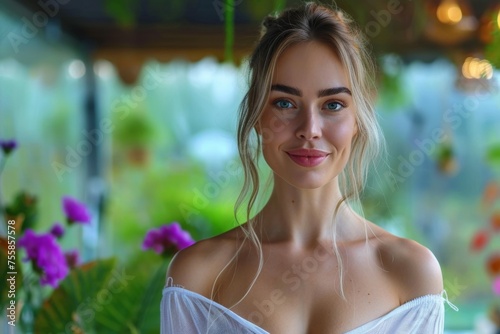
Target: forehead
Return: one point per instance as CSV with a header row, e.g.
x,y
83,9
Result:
x,y
311,65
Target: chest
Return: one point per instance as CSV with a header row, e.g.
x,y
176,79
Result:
x,y
302,293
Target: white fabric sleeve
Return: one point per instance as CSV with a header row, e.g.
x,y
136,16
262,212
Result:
x,y
180,315
422,315
185,312
428,318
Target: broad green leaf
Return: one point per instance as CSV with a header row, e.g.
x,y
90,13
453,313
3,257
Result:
x,y
148,319
73,305
119,313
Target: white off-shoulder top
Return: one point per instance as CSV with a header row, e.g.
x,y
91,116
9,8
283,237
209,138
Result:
x,y
187,312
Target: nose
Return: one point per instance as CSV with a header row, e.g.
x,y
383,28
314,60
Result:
x,y
310,125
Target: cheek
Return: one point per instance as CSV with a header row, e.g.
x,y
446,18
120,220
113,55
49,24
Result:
x,y
272,128
342,133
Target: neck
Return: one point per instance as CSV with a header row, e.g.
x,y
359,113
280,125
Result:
x,y
304,216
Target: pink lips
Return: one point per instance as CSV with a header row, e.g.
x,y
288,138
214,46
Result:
x,y
307,157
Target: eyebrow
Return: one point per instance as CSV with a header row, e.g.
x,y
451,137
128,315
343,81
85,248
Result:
x,y
334,91
321,93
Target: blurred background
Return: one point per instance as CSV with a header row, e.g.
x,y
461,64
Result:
x,y
130,108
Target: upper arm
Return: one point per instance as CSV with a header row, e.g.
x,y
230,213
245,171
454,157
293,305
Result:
x,y
196,267
414,268
185,268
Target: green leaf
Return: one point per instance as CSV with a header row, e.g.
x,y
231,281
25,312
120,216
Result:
x,y
259,9
444,152
23,205
74,303
229,29
148,318
136,129
279,5
493,154
122,11
492,49
121,307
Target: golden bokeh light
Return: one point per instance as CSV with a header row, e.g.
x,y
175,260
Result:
x,y
475,68
449,12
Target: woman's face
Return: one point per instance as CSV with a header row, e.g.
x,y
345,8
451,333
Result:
x,y
309,121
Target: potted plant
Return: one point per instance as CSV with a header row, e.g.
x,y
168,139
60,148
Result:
x,y
133,135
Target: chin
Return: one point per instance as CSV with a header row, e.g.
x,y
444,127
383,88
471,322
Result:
x,y
309,182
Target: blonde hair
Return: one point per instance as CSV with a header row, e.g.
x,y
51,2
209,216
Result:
x,y
332,27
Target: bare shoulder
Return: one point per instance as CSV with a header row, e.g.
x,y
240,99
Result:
x,y
413,268
196,267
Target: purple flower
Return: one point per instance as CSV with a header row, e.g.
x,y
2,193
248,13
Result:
x,y
46,257
72,258
167,238
75,211
57,230
8,146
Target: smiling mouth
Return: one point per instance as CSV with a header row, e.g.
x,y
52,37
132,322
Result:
x,y
307,158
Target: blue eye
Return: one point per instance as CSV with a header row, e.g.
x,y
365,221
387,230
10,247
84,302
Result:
x,y
334,106
283,104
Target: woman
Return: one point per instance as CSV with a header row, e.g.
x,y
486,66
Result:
x,y
306,262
